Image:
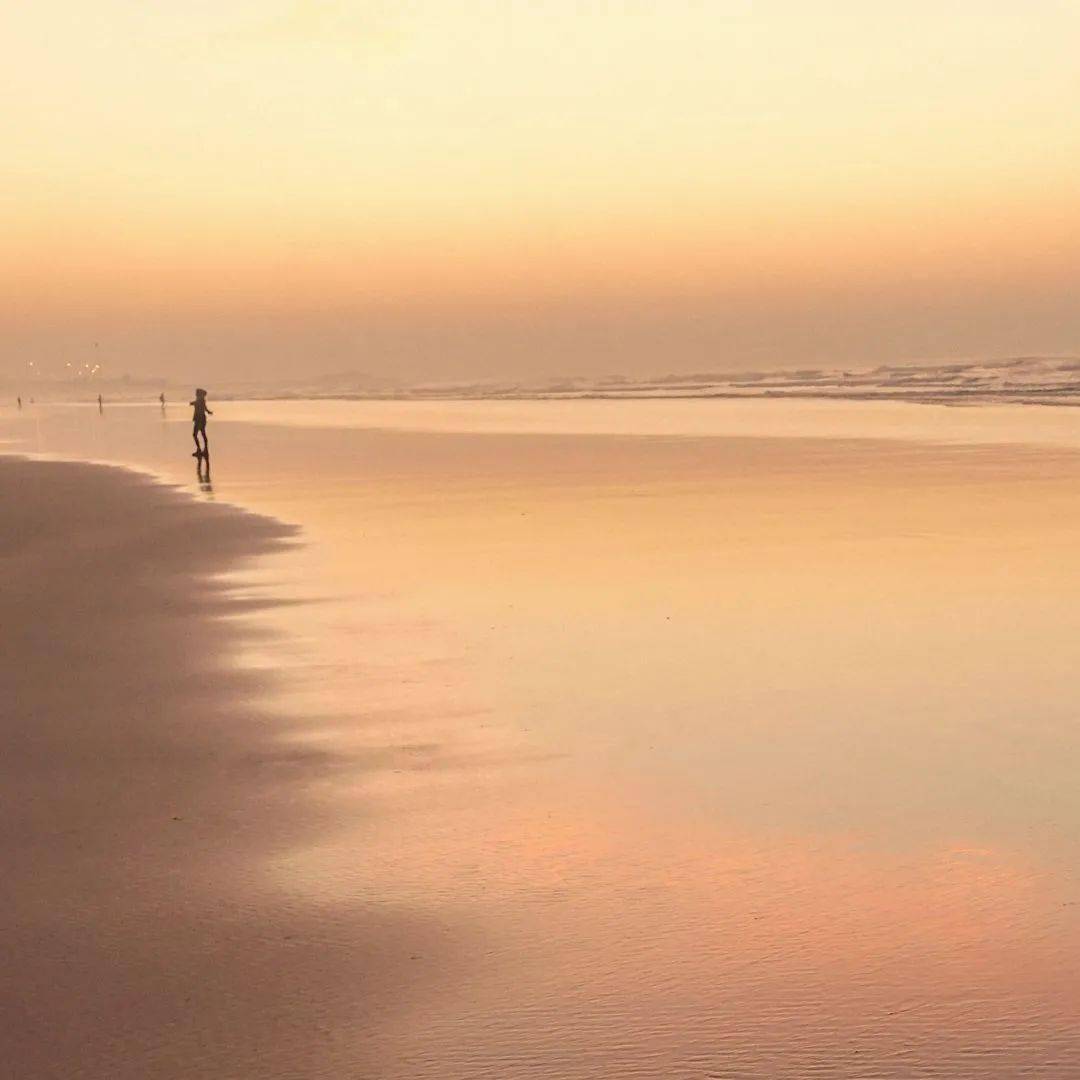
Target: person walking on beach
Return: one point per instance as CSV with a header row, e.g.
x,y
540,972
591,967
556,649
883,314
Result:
x,y
100,404
19,400
199,424
161,398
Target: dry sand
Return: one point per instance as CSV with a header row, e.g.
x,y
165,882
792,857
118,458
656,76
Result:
x,y
143,789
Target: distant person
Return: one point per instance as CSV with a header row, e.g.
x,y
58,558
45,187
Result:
x,y
161,398
199,424
19,400
100,404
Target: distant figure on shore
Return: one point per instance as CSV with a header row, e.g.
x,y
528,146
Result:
x,y
161,398
100,404
199,424
19,400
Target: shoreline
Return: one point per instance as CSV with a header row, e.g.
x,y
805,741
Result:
x,y
1067,397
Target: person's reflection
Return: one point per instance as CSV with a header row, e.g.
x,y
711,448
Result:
x,y
202,471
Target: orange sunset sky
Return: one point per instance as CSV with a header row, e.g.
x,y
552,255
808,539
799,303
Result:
x,y
450,188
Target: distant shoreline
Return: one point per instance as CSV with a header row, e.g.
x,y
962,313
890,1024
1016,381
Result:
x,y
1063,398
1026,380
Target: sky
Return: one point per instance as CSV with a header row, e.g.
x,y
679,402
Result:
x,y
517,189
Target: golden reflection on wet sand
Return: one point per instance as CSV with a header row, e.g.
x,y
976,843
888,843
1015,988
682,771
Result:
x,y
725,757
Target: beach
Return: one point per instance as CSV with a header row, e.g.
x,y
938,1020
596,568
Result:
x,y
542,739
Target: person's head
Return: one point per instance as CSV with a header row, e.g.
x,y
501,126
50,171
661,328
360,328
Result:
x,y
200,393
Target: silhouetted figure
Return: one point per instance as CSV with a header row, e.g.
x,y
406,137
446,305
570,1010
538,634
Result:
x,y
199,425
100,404
161,398
19,400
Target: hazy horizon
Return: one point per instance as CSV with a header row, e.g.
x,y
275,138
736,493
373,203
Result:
x,y
438,190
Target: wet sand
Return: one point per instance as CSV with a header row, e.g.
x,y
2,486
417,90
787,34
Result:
x,y
634,756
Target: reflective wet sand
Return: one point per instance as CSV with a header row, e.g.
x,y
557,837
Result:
x,y
740,754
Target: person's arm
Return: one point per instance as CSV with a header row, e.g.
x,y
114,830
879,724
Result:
x,y
209,412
